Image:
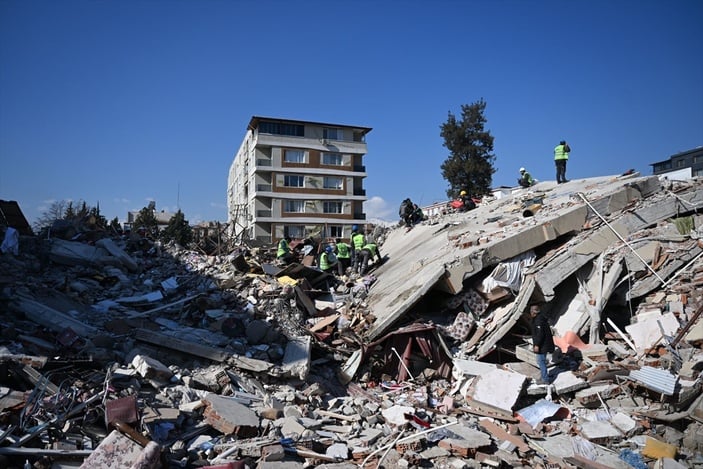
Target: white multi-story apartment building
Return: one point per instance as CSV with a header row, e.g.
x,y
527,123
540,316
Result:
x,y
297,178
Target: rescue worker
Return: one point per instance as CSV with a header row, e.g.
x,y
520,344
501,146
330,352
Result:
x,y
343,255
525,179
328,260
561,156
368,252
405,212
284,254
467,203
357,242
417,215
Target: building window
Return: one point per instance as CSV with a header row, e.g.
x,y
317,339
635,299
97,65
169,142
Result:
x,y
332,134
333,159
332,182
294,231
680,163
336,231
293,180
697,172
277,128
663,166
332,207
294,156
294,206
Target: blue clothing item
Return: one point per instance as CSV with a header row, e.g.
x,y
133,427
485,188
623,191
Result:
x,y
542,362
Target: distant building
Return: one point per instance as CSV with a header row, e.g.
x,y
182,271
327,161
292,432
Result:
x,y
684,165
162,218
297,178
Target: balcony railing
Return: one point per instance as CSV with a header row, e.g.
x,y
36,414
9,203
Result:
x,y
360,168
359,192
359,216
264,187
261,162
263,213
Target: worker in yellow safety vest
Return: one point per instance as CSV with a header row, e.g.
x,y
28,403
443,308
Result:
x,y
368,252
357,242
328,260
284,254
561,156
343,255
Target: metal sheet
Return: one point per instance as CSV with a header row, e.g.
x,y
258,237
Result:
x,y
656,379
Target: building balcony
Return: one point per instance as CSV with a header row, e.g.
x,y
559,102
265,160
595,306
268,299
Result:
x,y
359,216
262,162
264,213
360,168
359,192
264,188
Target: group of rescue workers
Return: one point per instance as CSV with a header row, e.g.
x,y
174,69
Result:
x,y
339,257
354,257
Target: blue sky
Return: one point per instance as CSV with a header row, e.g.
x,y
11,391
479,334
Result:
x,y
123,102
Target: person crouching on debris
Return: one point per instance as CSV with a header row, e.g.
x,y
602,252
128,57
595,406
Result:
x,y
368,252
542,341
525,179
328,260
284,254
405,212
467,202
343,255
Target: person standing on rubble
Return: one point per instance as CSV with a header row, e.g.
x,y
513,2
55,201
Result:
x,y
357,242
561,156
343,255
542,341
284,254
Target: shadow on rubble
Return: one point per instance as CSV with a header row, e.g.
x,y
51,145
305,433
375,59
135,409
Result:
x,y
163,353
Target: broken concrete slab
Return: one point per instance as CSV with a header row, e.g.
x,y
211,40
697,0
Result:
x,y
229,416
497,390
296,361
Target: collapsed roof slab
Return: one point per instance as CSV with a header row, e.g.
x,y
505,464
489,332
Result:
x,y
551,271
434,256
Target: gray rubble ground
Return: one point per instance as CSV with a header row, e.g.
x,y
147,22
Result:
x,y
218,366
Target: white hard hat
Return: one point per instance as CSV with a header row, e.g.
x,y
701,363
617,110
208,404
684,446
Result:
x,y
522,170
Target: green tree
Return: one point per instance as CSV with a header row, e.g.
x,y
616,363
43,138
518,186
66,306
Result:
x,y
70,213
469,165
147,220
84,211
115,225
99,219
178,230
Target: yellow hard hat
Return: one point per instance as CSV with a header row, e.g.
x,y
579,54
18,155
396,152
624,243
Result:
x,y
462,193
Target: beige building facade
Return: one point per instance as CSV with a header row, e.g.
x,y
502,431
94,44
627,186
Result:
x,y
297,178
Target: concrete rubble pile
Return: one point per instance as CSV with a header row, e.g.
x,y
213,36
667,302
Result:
x,y
157,356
